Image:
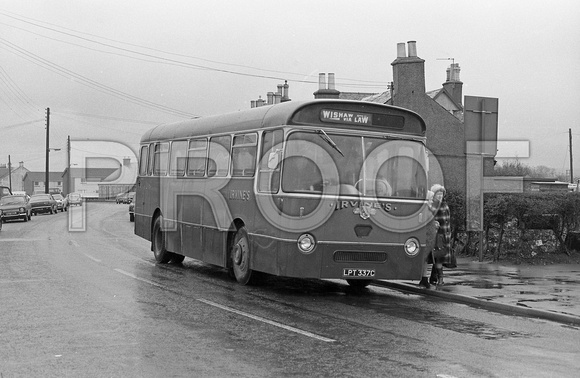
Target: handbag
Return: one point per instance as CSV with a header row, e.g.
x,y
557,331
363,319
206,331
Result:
x,y
450,260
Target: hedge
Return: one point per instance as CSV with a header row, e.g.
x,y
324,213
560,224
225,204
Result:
x,y
530,222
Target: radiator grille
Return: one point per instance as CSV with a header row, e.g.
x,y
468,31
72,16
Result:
x,y
359,256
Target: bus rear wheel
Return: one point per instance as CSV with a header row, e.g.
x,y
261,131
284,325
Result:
x,y
359,284
161,254
240,256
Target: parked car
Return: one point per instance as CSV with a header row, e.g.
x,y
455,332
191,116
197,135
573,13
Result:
x,y
15,207
132,210
74,199
60,202
43,203
122,198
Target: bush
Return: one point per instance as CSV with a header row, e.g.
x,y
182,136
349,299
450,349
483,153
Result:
x,y
519,225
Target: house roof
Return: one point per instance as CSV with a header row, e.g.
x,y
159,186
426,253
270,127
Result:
x,y
358,96
381,98
40,176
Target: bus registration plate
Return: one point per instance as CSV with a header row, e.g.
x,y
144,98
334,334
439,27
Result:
x,y
358,272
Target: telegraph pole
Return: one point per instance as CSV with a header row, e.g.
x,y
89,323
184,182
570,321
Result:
x,y
46,174
68,164
9,173
571,167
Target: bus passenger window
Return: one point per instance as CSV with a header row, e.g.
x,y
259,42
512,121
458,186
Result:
x,y
177,158
219,156
143,160
244,155
270,161
160,159
197,157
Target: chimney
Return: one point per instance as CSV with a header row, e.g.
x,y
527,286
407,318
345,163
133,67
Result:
x,y
253,104
279,86
285,91
270,97
454,85
326,92
401,50
321,81
412,49
408,73
331,85
20,164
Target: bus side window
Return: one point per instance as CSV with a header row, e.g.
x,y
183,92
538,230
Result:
x,y
177,158
150,160
270,161
219,156
160,159
244,155
143,160
197,157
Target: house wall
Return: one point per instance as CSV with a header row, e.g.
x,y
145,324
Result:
x,y
445,132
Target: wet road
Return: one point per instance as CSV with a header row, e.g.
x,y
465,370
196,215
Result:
x,y
92,302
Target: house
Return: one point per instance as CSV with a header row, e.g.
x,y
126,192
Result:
x,y
34,182
13,179
441,108
102,183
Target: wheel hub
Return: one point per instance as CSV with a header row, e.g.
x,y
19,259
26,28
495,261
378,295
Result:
x,y
237,254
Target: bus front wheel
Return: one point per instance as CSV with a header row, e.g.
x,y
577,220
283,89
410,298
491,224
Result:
x,y
162,255
240,256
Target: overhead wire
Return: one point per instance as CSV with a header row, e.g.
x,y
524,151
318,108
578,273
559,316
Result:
x,y
357,82
89,82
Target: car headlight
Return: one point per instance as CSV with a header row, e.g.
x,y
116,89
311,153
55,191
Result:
x,y
22,209
412,247
306,243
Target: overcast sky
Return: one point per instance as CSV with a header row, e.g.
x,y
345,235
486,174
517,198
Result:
x,y
110,70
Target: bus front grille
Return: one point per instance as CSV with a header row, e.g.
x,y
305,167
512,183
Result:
x,y
359,256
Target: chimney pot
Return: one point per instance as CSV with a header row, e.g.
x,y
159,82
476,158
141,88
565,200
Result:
x,y
321,81
270,98
285,91
279,89
331,81
401,50
412,49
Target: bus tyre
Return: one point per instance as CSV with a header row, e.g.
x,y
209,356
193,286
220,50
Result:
x,y
177,259
359,284
240,255
162,255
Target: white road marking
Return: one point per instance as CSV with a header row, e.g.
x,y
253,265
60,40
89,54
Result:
x,y
242,313
139,279
276,324
91,257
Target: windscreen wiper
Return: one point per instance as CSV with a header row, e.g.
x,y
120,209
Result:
x,y
327,139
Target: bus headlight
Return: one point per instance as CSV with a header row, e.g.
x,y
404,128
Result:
x,y
306,243
412,247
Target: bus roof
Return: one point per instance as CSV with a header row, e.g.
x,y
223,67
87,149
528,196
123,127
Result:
x,y
326,112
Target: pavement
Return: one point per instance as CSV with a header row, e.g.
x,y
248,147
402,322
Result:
x,y
550,292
